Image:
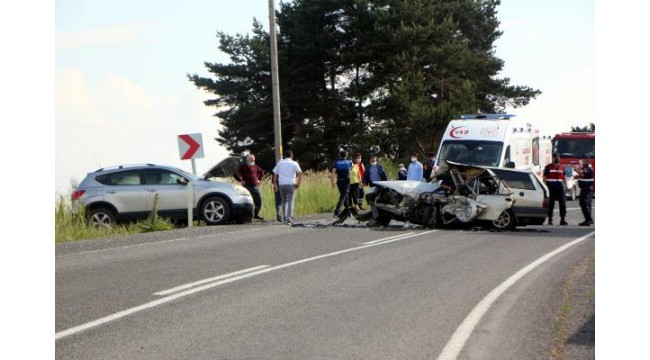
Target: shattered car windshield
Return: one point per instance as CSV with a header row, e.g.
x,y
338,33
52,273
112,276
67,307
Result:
x,y
484,153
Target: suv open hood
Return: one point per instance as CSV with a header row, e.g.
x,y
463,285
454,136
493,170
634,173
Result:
x,y
225,168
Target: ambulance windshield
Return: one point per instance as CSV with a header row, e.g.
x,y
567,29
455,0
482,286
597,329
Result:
x,y
472,152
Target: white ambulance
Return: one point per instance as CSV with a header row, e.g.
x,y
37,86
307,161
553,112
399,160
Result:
x,y
495,140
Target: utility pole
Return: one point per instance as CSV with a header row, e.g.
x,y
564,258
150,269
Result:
x,y
275,83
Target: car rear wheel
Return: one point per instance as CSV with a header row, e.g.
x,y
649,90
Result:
x,y
215,210
506,221
101,217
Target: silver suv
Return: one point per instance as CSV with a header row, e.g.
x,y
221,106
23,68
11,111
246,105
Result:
x,y
127,193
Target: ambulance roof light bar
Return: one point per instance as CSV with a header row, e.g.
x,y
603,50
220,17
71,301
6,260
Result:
x,y
487,116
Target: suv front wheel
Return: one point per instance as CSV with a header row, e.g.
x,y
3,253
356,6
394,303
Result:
x,y
215,211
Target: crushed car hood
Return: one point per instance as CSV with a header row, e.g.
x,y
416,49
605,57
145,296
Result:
x,y
408,187
468,171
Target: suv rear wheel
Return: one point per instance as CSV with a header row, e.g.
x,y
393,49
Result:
x,y
215,210
101,217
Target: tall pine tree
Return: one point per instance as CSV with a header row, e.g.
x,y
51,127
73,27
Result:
x,y
381,76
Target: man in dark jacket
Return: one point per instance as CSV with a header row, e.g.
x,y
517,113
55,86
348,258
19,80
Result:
x,y
250,175
428,166
374,172
586,184
556,183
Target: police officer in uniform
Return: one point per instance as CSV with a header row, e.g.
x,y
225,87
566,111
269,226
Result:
x,y
341,178
586,184
556,183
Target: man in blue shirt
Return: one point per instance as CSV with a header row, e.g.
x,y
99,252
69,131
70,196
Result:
x,y
415,171
341,179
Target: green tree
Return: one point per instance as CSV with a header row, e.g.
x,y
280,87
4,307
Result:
x,y
587,128
366,75
243,88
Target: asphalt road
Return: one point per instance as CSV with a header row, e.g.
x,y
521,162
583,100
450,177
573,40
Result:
x,y
272,291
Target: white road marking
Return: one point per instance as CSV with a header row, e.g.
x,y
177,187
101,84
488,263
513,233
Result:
x,y
161,301
156,243
200,282
463,332
388,238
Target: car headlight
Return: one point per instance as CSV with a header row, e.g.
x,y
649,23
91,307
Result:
x,y
241,190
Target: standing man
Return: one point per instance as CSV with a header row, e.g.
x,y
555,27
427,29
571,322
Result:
x,y
341,178
374,172
586,184
355,182
250,176
428,166
362,172
287,176
556,183
415,171
401,172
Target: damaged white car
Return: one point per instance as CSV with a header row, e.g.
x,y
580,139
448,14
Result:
x,y
501,198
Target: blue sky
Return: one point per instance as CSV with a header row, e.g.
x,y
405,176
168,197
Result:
x,y
122,95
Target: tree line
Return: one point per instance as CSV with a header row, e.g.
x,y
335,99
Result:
x,y
373,76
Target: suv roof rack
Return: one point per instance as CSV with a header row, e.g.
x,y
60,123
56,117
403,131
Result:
x,y
487,116
123,166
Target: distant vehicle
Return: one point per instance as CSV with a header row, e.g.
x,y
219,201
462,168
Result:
x,y
127,193
495,140
500,197
572,146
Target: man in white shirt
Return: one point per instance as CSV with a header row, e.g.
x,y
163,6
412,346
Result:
x,y
287,176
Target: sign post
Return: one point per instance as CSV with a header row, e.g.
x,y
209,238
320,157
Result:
x,y
190,146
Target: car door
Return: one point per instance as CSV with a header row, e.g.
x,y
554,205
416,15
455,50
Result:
x,y
124,190
172,196
528,192
491,194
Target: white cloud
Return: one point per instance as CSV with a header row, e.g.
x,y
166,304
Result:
x,y
123,34
510,24
117,121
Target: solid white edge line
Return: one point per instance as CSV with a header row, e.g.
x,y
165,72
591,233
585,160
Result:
x,y
123,313
193,284
463,332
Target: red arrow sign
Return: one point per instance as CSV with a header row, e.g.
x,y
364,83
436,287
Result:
x,y
194,146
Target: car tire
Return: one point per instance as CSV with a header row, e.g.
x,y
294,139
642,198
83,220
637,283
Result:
x,y
506,221
214,211
101,217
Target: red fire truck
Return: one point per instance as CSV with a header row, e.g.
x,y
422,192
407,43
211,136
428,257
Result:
x,y
572,146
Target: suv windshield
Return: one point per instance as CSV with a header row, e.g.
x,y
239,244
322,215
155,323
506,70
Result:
x,y
188,175
474,152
